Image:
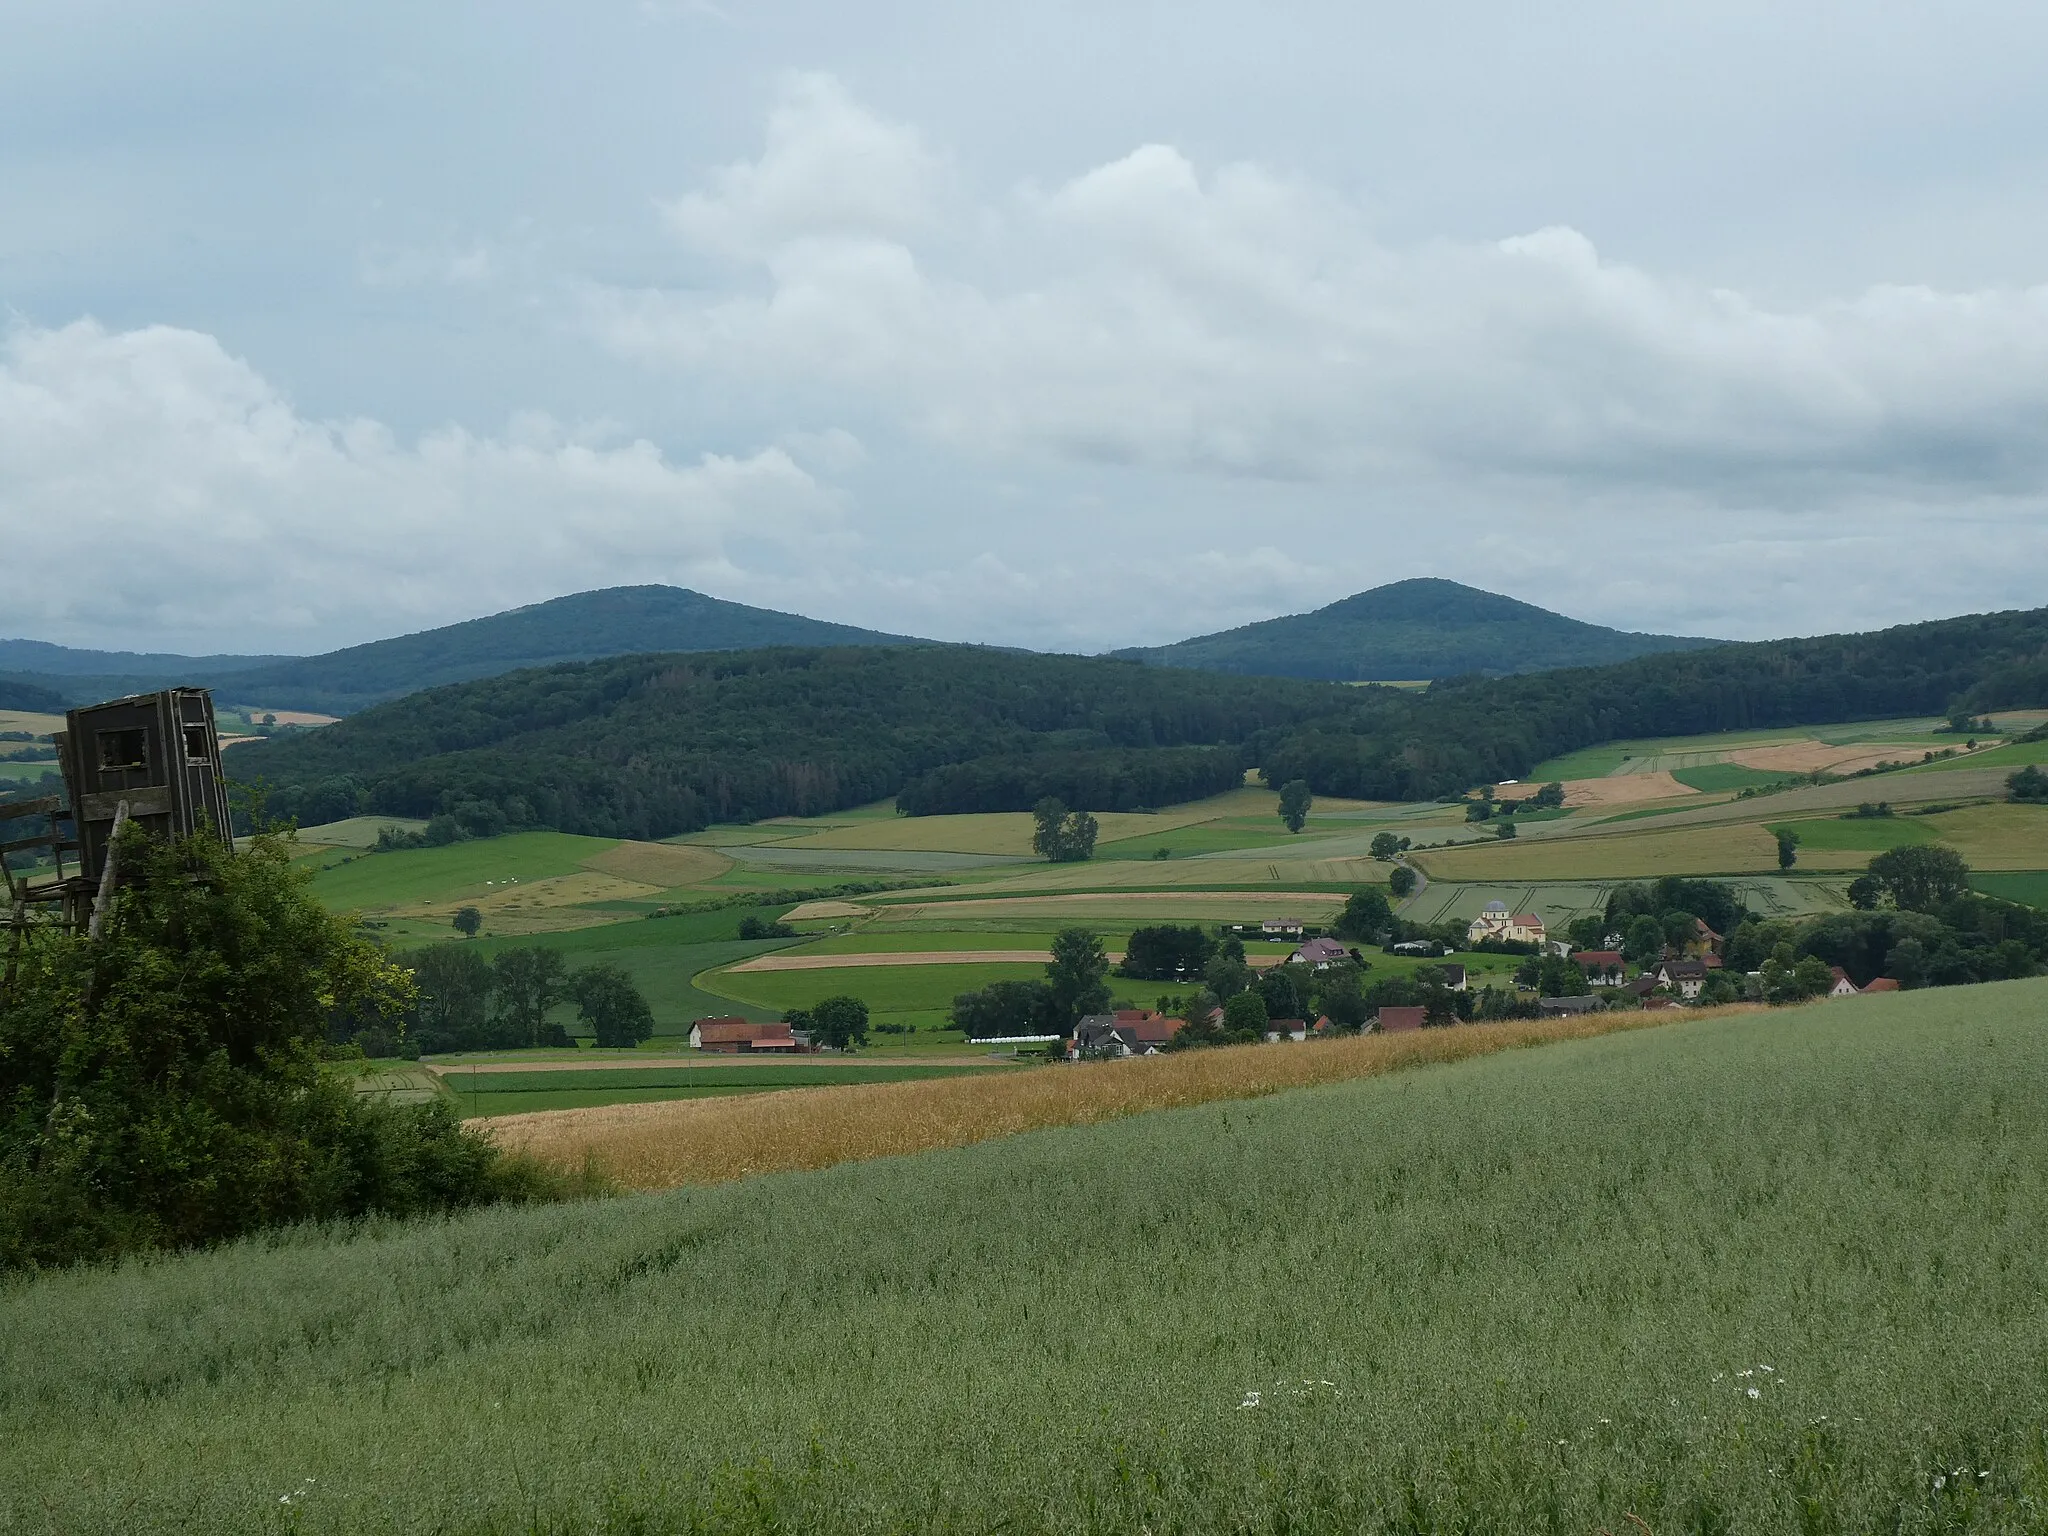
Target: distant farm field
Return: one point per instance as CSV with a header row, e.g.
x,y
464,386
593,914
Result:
x,y
1739,849
488,1094
1773,1273
1858,834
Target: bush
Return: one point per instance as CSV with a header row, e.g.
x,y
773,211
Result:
x,y
162,1088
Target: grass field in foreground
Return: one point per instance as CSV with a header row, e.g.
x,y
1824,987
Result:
x,y
1761,1274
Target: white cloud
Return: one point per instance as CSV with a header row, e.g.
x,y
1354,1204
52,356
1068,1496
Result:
x,y
152,484
831,171
1245,323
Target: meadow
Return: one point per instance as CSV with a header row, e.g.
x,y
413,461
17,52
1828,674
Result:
x,y
1774,1272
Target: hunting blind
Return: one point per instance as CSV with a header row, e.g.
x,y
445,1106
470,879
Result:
x,y
154,759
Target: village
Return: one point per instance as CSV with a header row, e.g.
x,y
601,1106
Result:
x,y
1682,974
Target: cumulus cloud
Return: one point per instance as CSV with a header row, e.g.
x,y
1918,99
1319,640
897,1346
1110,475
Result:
x,y
152,483
1243,322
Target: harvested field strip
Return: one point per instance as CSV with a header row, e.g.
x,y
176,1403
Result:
x,y
833,962
663,1146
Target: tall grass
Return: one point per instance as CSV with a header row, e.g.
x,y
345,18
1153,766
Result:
x,y
1770,1273
707,1141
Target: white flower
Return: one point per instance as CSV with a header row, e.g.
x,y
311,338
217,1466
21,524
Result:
x,y
1754,1393
1251,1400
1940,1481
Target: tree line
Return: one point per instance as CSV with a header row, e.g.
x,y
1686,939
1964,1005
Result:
x,y
649,746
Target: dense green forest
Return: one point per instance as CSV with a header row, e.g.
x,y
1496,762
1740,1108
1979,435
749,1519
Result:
x,y
648,746
1422,628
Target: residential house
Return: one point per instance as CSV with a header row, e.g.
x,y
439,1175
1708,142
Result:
x,y
1320,953
1454,977
1393,1020
1842,985
1552,1006
1127,1032
1705,939
1603,967
735,1036
1496,922
1685,977
1281,928
1286,1029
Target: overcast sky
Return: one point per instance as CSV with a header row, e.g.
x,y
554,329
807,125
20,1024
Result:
x,y
1061,325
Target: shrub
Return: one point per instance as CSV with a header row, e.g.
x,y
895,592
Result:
x,y
162,1087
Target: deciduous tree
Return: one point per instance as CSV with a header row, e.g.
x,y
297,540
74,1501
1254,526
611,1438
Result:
x,y
1295,800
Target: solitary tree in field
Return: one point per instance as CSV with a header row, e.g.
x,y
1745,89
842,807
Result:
x,y
1384,845
840,1022
1078,976
1504,829
1365,916
468,922
1295,800
612,1006
1921,877
1788,848
1401,881
1063,836
528,982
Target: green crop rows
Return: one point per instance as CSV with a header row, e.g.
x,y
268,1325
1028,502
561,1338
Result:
x,y
1774,1273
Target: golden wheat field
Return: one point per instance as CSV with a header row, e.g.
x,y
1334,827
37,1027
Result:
x,y
711,1141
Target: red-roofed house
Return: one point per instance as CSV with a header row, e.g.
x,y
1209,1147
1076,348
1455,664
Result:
x,y
1603,967
1395,1019
733,1036
1882,984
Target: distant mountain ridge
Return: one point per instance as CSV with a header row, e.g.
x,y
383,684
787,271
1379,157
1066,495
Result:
x,y
586,626
1412,630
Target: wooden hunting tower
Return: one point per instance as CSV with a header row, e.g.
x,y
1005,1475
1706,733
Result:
x,y
157,751
152,759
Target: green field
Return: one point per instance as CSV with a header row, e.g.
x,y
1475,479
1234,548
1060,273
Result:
x,y
1770,1273
1860,834
429,874
482,1094
2029,889
918,995
1714,778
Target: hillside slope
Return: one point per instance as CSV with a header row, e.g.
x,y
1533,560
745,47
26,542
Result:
x,y
1423,628
647,746
614,621
1774,1273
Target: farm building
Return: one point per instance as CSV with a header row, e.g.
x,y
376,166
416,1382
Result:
x,y
1127,1032
734,1036
1286,1029
1392,1020
1552,1006
1882,984
1842,986
1281,927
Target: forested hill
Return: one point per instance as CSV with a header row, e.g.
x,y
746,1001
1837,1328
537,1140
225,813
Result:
x,y
647,746
1412,630
616,621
